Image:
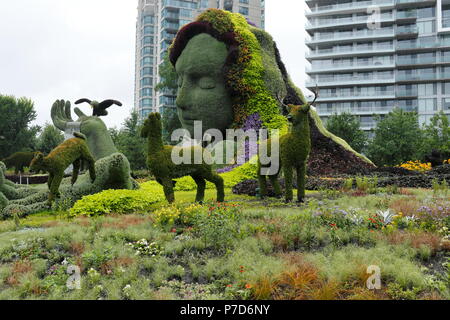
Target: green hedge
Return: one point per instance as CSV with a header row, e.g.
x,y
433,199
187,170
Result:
x,y
118,201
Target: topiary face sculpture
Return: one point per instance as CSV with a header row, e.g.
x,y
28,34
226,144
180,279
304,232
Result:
x,y
202,93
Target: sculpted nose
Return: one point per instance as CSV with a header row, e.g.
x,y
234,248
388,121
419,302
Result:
x,y
183,98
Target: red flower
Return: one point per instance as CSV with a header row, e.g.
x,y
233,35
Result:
x,y
173,230
229,285
248,286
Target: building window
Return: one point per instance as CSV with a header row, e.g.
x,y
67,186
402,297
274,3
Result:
x,y
146,61
147,81
147,40
427,105
243,10
148,20
146,103
243,1
147,51
146,92
147,71
149,30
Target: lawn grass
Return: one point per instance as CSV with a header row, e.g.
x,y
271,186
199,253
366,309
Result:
x,y
267,250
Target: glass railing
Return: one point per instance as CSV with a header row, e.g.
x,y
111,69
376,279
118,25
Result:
x,y
407,61
357,4
418,44
357,94
348,20
351,79
406,93
352,65
337,50
344,35
406,14
416,76
403,30
408,1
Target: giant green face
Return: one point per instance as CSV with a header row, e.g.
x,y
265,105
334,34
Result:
x,y
202,94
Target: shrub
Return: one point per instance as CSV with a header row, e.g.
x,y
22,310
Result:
x,y
218,226
116,201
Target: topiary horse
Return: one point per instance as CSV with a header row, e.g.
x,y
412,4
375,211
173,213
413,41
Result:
x,y
295,147
72,151
160,163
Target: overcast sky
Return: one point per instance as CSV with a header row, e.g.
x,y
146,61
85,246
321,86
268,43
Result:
x,y
61,49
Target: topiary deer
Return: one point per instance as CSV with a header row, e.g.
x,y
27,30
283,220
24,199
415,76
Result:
x,y
72,151
160,163
295,147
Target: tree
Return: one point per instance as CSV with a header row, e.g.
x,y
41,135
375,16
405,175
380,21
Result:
x,y
128,141
397,138
169,83
170,122
49,139
169,77
347,127
16,117
436,135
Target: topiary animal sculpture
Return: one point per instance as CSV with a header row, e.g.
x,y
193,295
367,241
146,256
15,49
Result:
x,y
99,109
19,160
72,151
295,147
160,163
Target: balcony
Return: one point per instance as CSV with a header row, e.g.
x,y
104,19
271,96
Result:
x,y
340,80
351,6
332,37
336,51
402,15
417,61
329,22
356,96
406,93
405,32
407,3
350,66
416,76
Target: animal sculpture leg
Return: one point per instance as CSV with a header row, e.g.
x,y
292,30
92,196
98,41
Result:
x,y
262,185
275,185
76,170
91,166
288,177
54,188
218,182
201,185
49,181
301,182
168,189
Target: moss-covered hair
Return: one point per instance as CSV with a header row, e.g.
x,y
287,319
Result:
x,y
255,76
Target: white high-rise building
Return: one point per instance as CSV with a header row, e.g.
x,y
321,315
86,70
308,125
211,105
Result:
x,y
369,56
157,24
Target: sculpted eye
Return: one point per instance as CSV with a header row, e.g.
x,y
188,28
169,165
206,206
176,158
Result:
x,y
207,83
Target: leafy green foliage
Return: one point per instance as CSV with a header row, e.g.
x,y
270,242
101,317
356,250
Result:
x,y
18,135
115,201
49,139
397,138
436,135
129,142
170,122
169,77
347,127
